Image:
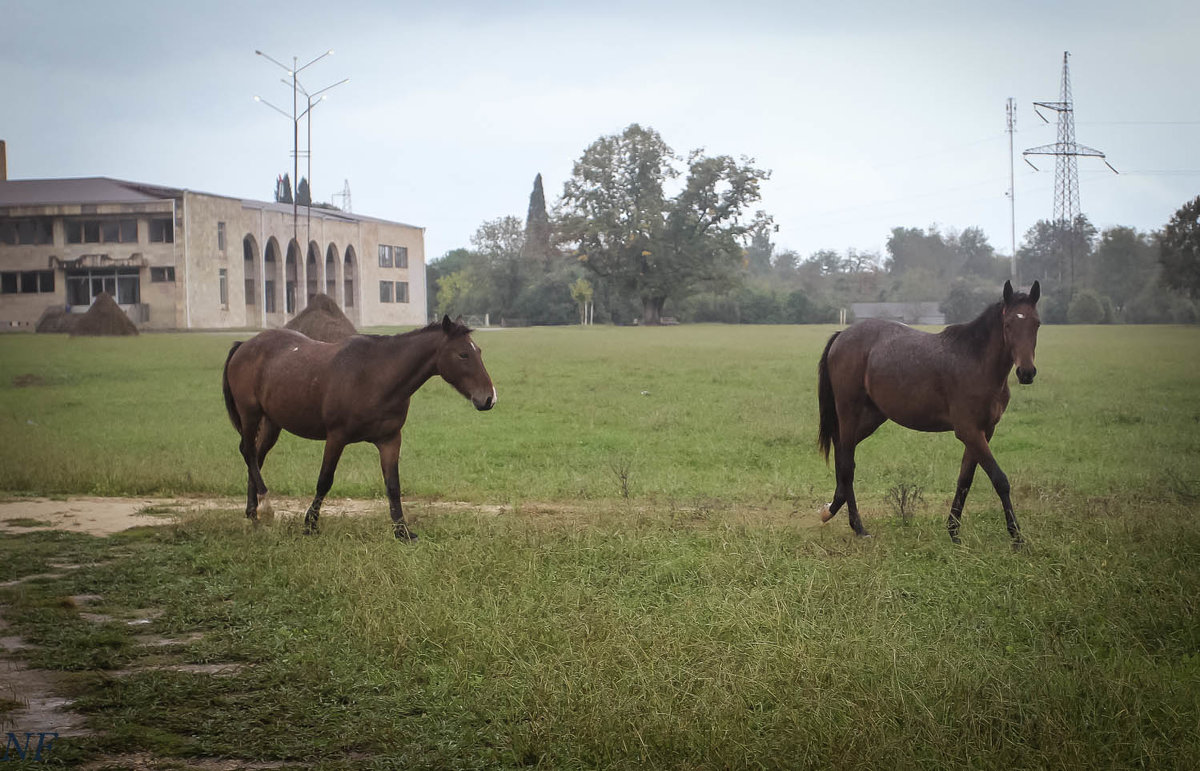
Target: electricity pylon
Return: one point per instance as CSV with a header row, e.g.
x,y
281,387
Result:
x,y
1066,168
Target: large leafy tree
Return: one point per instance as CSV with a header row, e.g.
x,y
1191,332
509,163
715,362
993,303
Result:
x,y
1179,249
650,246
1125,261
1056,252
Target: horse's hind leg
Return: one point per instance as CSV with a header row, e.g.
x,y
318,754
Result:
x,y
333,453
860,422
966,474
254,482
268,435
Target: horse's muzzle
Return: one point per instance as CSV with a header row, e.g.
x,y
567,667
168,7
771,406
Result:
x,y
486,403
1025,376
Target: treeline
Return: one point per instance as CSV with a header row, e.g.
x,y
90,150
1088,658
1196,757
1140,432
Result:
x,y
617,240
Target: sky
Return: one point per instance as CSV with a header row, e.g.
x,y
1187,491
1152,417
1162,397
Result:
x,y
869,115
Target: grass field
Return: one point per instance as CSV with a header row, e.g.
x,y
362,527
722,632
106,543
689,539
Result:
x,y
657,592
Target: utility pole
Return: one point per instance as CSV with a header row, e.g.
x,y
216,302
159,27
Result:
x,y
1066,169
293,72
1012,188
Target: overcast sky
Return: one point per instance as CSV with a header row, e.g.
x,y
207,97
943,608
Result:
x,y
870,115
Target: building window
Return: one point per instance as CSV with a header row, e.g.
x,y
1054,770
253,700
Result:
x,y
393,256
108,231
385,292
26,231
401,291
250,291
269,298
159,275
162,231
220,236
223,284
349,288
122,283
26,282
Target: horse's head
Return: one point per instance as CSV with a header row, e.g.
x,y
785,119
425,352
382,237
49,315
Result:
x,y
460,363
1021,322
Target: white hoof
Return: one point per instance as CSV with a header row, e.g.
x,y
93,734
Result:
x,y
826,514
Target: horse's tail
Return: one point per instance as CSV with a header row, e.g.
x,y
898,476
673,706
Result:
x,y
829,421
230,404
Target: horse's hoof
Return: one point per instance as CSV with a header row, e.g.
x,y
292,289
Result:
x,y
404,534
955,540
826,514
1018,545
265,509
864,535
311,530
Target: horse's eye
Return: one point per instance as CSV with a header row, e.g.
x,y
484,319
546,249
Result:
x,y
463,355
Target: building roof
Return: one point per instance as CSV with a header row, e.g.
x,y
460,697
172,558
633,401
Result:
x,y
104,190
80,190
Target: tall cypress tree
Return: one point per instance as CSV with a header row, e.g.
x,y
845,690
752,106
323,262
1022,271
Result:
x,y
536,250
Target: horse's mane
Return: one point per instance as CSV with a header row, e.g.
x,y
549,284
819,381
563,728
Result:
x,y
977,332
457,329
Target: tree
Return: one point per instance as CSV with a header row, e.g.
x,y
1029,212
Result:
x,y
1124,262
1054,252
652,247
536,249
500,243
758,253
1179,249
283,189
581,293
303,195
914,249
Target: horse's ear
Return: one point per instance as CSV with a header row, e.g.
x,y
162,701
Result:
x,y
1035,292
447,324
1008,292
459,320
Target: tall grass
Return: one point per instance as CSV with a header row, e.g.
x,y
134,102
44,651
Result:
x,y
703,622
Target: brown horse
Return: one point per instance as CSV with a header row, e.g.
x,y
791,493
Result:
x,y
956,380
353,391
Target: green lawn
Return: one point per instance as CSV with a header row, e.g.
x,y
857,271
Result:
x,y
704,622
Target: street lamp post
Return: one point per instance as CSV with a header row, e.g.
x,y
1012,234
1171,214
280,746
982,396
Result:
x,y
294,72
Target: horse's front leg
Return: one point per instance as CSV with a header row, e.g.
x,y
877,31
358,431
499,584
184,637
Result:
x,y
389,461
977,445
333,453
966,474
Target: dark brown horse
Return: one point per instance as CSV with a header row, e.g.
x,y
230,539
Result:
x,y
956,380
353,391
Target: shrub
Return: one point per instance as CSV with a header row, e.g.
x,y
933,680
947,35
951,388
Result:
x,y
1086,308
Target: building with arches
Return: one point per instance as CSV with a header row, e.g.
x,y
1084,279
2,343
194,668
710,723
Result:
x,y
180,259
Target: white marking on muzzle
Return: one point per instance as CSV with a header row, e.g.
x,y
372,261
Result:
x,y
495,398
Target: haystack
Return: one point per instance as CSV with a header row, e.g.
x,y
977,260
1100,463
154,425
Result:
x,y
105,317
323,320
56,320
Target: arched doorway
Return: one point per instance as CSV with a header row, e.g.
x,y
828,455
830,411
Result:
x,y
312,266
350,286
251,273
291,272
272,285
331,272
